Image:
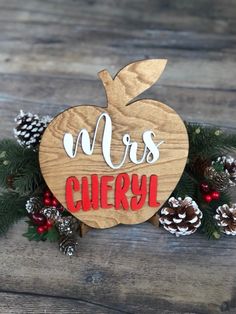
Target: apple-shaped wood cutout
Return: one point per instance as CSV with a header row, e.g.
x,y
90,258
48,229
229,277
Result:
x,y
117,164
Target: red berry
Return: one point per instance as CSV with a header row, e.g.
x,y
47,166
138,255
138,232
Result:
x,y
49,224
47,201
215,195
40,229
60,208
45,227
47,193
38,219
204,187
207,198
55,202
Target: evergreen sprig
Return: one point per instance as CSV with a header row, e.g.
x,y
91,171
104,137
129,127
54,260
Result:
x,y
186,186
208,142
20,178
12,208
21,165
205,143
209,226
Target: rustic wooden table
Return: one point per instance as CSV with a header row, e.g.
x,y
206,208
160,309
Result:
x,y
50,52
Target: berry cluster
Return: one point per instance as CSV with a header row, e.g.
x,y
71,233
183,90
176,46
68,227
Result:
x,y
44,222
208,194
49,199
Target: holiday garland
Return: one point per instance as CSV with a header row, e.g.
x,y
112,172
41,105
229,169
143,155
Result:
x,y
201,199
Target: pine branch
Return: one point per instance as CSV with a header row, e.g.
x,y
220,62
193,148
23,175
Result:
x,y
228,141
208,141
225,198
22,165
15,155
209,226
28,179
186,186
12,208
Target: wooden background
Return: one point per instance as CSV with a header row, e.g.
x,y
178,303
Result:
x,y
50,52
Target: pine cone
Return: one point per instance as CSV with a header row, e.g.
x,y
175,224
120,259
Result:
x,y
220,181
52,213
199,165
10,181
68,245
183,217
67,225
30,128
229,164
33,205
226,218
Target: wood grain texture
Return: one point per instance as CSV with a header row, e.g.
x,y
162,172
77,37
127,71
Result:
x,y
30,303
131,81
135,119
50,53
132,269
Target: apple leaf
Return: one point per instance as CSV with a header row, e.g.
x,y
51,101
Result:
x,y
132,80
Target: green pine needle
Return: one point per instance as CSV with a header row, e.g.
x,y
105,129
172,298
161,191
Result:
x,y
12,208
225,198
22,165
209,226
209,141
186,186
205,143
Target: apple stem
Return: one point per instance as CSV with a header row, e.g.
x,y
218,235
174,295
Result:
x,y
105,77
107,82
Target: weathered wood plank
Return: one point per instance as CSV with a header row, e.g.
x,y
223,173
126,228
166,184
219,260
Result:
x,y
202,16
22,303
52,51
50,95
127,268
50,37
33,46
87,57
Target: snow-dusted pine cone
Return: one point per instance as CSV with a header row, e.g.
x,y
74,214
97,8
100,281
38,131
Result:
x,y
229,164
226,218
182,217
51,212
68,245
220,181
34,205
30,128
67,225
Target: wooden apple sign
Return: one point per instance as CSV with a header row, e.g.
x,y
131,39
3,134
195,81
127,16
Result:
x,y
117,164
